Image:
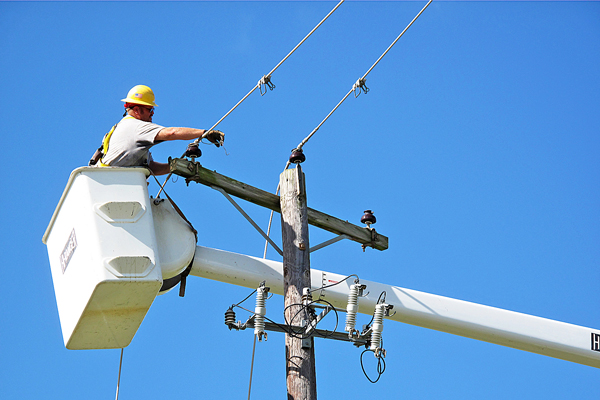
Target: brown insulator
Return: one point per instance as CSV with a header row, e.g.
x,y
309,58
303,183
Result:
x,y
230,318
368,218
193,150
297,156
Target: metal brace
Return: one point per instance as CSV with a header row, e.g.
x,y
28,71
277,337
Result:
x,y
249,219
373,239
328,242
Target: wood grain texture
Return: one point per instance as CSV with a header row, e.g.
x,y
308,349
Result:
x,y
300,361
195,172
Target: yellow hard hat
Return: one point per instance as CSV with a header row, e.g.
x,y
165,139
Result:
x,y
140,94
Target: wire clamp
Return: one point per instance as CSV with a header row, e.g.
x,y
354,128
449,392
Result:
x,y
359,86
266,82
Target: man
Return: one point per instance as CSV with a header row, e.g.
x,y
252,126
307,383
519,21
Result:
x,y
129,141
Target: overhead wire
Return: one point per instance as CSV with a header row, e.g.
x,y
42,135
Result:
x,y
265,80
358,85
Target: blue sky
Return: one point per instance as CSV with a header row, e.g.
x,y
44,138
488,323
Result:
x,y
476,147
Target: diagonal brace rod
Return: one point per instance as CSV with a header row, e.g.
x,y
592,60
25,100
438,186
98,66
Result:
x,y
328,242
236,205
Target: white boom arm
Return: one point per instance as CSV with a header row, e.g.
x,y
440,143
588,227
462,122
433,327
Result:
x,y
507,328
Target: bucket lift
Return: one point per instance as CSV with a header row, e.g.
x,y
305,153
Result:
x,y
111,247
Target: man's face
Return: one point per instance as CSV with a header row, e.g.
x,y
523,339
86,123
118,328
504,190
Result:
x,y
145,113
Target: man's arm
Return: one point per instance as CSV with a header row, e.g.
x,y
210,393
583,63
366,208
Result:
x,y
173,133
158,168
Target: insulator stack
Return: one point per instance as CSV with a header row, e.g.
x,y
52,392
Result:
x,y
352,308
306,297
377,327
259,313
230,318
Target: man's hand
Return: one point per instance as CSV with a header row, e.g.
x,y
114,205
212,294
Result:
x,y
216,137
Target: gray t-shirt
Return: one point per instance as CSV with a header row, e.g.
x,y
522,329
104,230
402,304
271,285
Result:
x,y
130,142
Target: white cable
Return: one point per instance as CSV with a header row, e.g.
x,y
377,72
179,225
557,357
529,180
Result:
x,y
261,81
363,79
272,71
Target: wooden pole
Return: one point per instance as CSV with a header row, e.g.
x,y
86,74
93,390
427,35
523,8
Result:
x,y
299,353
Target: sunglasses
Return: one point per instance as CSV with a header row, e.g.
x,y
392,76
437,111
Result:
x,y
150,109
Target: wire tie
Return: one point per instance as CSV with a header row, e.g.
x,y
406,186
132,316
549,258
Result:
x,y
266,82
359,86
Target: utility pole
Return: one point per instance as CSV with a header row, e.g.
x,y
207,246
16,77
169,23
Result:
x,y
299,353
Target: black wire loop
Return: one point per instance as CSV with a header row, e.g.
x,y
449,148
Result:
x,y
380,365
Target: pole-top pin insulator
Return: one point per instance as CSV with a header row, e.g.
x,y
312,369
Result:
x,y
297,156
193,151
368,218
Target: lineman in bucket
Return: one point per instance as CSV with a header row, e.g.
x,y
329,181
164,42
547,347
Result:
x,y
129,141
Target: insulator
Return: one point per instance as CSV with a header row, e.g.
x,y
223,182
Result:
x,y
230,318
377,326
297,156
193,151
368,218
352,308
259,313
306,296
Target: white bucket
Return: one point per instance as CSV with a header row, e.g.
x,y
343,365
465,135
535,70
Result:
x,y
103,256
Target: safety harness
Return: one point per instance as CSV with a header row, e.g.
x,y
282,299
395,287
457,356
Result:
x,y
103,149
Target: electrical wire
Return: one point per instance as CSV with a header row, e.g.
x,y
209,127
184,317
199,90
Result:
x,y
119,378
360,82
299,334
265,80
380,365
251,367
379,301
333,284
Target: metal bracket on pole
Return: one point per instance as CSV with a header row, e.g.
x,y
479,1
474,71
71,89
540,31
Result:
x,y
236,205
328,242
313,324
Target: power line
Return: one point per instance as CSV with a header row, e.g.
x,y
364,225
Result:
x,y
265,80
360,83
